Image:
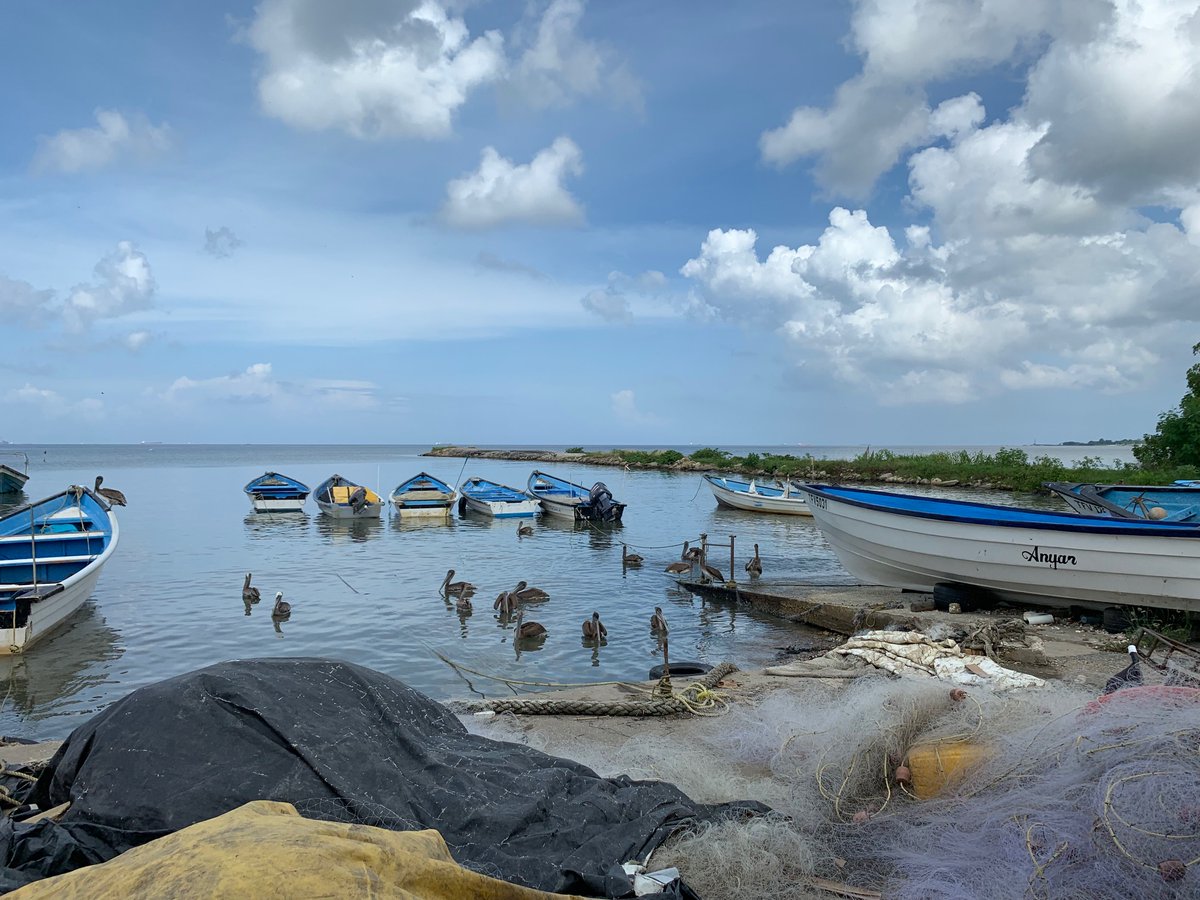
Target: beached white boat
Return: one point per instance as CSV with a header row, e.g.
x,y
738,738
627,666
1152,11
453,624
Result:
x,y
12,479
423,497
51,554
786,498
912,542
497,500
341,498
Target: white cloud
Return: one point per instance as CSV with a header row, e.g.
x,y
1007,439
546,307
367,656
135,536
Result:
x,y
612,302
52,404
221,242
123,284
114,139
490,261
22,302
501,191
558,65
258,384
370,68
625,409
136,340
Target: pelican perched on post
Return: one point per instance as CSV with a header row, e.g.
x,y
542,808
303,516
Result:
x,y
112,495
693,554
713,574
593,628
457,588
754,566
684,565
250,594
282,609
524,531
527,629
527,594
658,622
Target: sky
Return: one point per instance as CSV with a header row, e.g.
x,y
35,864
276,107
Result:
x,y
598,223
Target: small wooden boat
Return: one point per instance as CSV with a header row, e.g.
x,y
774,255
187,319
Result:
x,y
13,479
912,542
51,554
1178,502
568,500
786,498
497,500
341,498
423,496
272,492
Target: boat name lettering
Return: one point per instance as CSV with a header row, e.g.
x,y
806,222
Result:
x,y
819,502
1055,560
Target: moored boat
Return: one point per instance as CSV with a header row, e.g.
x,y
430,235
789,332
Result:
x,y
341,498
568,500
423,496
272,492
13,479
785,498
1178,502
51,554
497,500
1030,555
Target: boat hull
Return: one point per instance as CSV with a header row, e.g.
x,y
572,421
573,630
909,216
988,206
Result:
x,y
428,511
11,480
560,509
344,511
277,504
757,502
1029,564
502,509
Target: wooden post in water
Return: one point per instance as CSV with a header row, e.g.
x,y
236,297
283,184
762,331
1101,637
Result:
x,y
732,539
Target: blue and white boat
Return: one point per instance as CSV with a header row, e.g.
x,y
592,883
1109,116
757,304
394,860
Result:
x,y
786,498
13,479
341,498
497,500
51,553
272,492
423,496
568,500
1178,502
913,542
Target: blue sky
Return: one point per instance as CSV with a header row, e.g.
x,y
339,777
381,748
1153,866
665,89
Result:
x,y
883,221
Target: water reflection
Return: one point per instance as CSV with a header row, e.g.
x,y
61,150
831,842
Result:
x,y
12,500
276,525
420,523
349,530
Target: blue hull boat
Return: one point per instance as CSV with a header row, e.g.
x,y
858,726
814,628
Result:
x,y
1178,502
497,500
51,554
568,500
423,496
272,492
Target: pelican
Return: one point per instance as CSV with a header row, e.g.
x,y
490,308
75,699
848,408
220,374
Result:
x,y
250,594
658,622
282,609
684,565
629,559
112,495
524,531
693,554
458,588
463,604
505,604
710,572
593,628
528,629
528,594
754,567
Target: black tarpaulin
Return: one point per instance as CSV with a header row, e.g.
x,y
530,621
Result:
x,y
340,742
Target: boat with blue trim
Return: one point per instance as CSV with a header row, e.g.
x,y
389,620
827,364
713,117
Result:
x,y
568,500
51,555
13,479
341,498
785,498
494,499
272,492
917,542
1178,502
423,496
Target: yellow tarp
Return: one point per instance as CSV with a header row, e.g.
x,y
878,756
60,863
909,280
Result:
x,y
267,851
341,494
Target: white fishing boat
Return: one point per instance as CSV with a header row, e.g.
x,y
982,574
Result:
x,y
568,500
341,498
12,479
51,554
912,542
497,500
786,498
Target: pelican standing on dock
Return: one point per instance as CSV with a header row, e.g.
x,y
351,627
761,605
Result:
x,y
250,594
282,608
754,567
658,622
525,630
112,495
457,588
593,628
713,574
683,566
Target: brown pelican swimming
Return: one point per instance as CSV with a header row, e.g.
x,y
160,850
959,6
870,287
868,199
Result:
x,y
629,559
282,609
112,495
754,567
527,629
462,604
527,594
505,604
250,594
457,588
524,531
684,565
658,622
594,628
711,573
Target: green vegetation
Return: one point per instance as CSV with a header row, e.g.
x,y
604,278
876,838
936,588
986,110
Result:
x,y
1177,624
1176,440
574,450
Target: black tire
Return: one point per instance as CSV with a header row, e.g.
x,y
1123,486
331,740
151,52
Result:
x,y
681,669
945,594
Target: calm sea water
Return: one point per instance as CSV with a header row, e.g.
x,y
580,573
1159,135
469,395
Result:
x,y
169,600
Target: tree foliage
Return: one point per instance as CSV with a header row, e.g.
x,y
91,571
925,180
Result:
x,y
1176,441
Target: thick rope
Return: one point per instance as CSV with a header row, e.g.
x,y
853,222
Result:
x,y
696,698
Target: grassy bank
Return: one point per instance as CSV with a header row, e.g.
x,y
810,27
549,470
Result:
x,y
1010,469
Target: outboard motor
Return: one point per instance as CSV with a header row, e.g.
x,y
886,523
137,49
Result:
x,y
358,499
601,501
